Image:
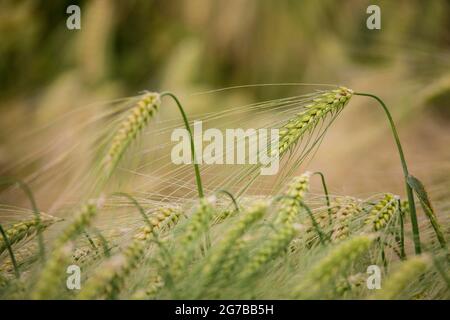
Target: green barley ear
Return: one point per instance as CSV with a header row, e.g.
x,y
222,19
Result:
x,y
82,220
52,279
295,194
196,227
129,129
341,228
271,248
219,255
328,103
327,270
25,229
109,282
382,212
407,272
110,279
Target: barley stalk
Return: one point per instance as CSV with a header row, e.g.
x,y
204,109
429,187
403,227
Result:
x,y
409,191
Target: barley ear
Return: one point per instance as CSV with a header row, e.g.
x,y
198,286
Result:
x,y
52,279
327,270
407,272
129,129
26,189
10,251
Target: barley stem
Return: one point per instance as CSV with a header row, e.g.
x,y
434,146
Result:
x,y
11,253
233,199
414,224
188,128
402,232
325,190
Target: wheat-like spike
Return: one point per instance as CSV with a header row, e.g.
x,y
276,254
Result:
x,y
26,228
382,212
291,204
87,253
233,258
342,219
156,284
329,268
138,117
271,248
108,284
82,220
25,254
52,278
197,225
165,218
221,252
320,107
350,283
407,272
109,281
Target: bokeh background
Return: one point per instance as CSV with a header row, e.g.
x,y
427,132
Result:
x,y
125,47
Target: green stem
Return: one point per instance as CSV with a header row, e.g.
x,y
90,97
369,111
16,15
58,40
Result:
x,y
11,253
233,199
402,233
188,128
37,214
325,190
409,192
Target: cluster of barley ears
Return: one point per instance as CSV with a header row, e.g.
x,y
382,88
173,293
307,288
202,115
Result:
x,y
303,245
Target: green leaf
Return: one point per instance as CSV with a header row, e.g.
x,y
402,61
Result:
x,y
422,194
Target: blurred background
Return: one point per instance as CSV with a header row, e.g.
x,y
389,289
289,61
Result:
x,y
125,47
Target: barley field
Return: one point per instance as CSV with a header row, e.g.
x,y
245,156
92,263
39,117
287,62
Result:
x,y
93,204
